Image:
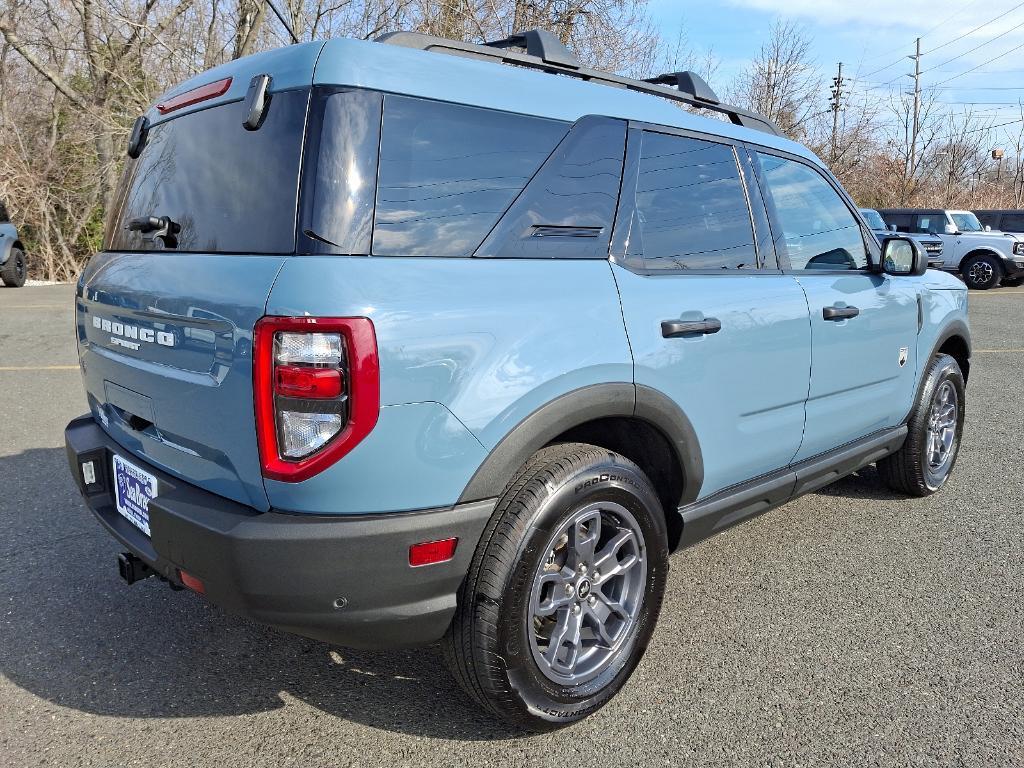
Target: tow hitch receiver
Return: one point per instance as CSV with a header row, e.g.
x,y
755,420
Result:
x,y
133,569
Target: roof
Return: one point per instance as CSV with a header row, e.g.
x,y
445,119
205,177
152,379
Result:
x,y
461,80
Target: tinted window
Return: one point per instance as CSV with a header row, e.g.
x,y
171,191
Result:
x,y
566,210
691,210
229,189
966,222
343,161
447,173
818,231
1012,222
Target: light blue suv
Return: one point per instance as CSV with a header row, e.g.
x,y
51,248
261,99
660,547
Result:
x,y
392,343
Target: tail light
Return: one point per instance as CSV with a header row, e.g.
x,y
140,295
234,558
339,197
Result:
x,y
316,390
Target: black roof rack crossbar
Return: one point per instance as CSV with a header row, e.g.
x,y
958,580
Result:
x,y
546,53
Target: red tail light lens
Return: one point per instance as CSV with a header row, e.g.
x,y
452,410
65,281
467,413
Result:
x,y
316,390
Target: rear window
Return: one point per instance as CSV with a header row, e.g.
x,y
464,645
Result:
x,y
229,189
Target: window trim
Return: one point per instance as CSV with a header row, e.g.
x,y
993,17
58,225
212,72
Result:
x,y
871,246
627,205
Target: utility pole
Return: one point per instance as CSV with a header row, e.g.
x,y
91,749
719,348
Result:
x,y
836,104
917,109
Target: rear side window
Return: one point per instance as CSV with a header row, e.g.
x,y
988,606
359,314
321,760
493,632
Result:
x,y
230,190
566,211
818,230
448,172
691,210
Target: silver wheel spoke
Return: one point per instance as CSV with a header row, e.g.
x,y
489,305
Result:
x,y
607,562
564,646
558,597
583,537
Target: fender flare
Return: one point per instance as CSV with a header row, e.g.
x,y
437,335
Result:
x,y
956,328
577,407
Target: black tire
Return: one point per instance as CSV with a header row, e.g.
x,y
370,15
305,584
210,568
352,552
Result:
x,y
982,272
909,470
14,272
490,646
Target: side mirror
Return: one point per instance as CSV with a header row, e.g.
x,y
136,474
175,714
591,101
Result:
x,y
903,257
892,228
951,229
988,227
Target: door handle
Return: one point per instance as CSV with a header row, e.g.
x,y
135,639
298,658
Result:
x,y
839,313
670,329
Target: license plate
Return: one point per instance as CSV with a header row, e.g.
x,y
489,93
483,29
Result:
x,y
134,488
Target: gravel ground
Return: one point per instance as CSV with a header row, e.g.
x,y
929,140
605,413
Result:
x,y
851,627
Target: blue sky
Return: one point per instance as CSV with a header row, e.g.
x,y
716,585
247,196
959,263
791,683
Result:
x,y
869,35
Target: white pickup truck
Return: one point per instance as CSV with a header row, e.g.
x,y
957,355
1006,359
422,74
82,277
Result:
x,y
985,258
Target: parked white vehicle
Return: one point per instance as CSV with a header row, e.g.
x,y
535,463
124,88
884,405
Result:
x,y
983,257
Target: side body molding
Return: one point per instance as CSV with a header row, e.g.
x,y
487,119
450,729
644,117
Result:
x,y
578,407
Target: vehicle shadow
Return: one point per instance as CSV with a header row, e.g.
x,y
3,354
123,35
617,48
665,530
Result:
x,y
74,634
865,483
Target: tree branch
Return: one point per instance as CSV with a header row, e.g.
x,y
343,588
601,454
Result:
x,y
7,30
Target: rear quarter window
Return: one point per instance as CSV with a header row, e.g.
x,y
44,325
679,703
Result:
x,y
448,172
229,189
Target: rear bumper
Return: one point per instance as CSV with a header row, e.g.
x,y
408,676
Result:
x,y
342,579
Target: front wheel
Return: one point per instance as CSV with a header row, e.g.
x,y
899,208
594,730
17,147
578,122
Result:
x,y
564,590
982,272
923,465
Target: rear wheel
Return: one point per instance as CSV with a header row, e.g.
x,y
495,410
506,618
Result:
x,y
14,272
982,272
564,590
923,465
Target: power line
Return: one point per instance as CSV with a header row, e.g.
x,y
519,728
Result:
x,y
982,45
949,42
984,63
972,31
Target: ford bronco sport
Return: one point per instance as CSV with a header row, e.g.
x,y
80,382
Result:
x,y
390,343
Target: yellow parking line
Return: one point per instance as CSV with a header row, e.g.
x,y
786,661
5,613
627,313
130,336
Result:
x,y
975,294
38,367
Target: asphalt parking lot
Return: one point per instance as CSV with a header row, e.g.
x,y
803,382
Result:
x,y
852,627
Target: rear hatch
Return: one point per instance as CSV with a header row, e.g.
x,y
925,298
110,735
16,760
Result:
x,y
165,326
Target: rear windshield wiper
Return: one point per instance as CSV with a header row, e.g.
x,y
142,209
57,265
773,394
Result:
x,y
154,228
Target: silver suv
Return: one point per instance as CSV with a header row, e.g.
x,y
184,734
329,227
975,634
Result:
x,y
932,245
12,253
984,257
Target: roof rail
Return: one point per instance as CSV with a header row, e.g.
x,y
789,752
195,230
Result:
x,y
546,53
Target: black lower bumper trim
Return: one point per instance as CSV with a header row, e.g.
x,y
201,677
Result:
x,y
344,579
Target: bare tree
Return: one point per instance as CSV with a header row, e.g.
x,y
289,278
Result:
x,y
782,82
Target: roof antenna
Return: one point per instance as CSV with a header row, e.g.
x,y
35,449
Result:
x,y
285,24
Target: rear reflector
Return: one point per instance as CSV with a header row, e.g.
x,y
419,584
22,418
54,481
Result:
x,y
196,95
432,552
191,582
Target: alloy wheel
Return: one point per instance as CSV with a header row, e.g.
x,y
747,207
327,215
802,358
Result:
x,y
587,593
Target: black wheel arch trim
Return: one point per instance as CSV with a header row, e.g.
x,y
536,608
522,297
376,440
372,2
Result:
x,y
955,329
982,251
572,409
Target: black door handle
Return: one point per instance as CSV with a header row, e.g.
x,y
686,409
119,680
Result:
x,y
672,328
839,313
